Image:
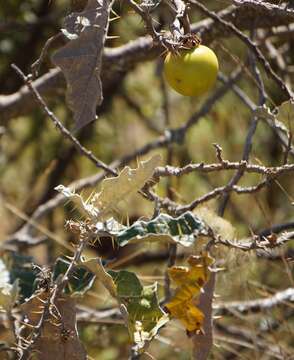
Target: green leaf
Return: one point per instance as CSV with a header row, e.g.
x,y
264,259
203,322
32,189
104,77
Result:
x,y
144,315
21,268
182,230
80,280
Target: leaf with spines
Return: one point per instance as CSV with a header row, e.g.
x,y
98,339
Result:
x,y
113,190
86,210
80,281
58,342
116,189
144,316
81,59
182,230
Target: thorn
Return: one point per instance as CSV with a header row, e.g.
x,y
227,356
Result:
x,y
217,317
109,37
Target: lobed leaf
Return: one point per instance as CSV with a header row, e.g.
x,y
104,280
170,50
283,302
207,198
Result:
x,y
59,338
113,190
190,281
144,315
80,281
182,230
116,189
80,59
86,209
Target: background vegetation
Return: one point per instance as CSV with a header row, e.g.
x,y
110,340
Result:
x,y
138,108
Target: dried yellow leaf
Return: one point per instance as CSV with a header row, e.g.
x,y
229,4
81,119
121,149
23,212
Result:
x,y
189,280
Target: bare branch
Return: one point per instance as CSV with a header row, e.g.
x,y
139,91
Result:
x,y
280,298
59,125
120,60
251,45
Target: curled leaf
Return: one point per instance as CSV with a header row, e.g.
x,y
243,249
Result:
x,y
189,280
182,230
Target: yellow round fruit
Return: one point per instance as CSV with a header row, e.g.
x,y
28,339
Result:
x,y
191,72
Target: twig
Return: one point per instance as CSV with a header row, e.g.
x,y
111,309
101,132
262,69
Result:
x,y
257,305
250,44
137,109
54,294
275,229
170,136
28,81
250,134
257,243
224,165
284,137
249,340
134,52
181,18
35,67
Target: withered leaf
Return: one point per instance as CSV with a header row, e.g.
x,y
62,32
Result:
x,y
190,281
81,58
113,190
59,338
116,189
96,267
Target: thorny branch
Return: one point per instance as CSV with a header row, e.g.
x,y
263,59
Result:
x,y
257,305
250,134
67,134
250,44
169,137
125,57
25,346
226,19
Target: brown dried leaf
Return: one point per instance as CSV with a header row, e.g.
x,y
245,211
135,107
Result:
x,y
58,340
81,58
